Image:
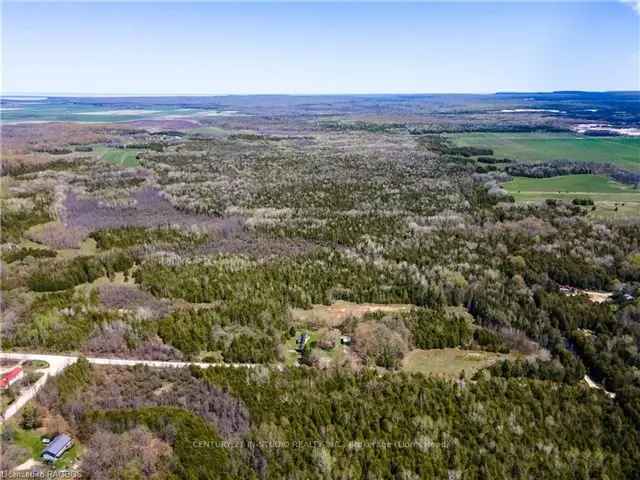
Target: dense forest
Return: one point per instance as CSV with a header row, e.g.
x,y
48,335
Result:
x,y
377,240
306,423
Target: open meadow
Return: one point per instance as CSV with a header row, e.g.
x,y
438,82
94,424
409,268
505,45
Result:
x,y
450,363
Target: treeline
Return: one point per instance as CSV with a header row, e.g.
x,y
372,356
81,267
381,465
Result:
x,y
623,176
442,145
436,328
549,370
125,237
583,202
363,126
85,269
17,168
549,169
18,254
484,127
54,151
153,146
493,160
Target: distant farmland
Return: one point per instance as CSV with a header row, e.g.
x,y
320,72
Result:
x,y
541,147
597,187
567,184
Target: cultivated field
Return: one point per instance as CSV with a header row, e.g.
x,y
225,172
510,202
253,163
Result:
x,y
542,147
586,184
612,199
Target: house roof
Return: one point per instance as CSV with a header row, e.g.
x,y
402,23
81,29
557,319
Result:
x,y
57,445
10,375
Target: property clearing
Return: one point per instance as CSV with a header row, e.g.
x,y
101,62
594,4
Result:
x,y
594,296
333,315
450,362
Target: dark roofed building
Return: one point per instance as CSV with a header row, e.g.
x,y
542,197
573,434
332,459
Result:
x,y
56,448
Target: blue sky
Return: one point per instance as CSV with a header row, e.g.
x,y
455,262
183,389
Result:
x,y
239,48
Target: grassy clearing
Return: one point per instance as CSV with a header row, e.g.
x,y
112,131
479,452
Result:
x,y
335,356
32,365
214,132
125,157
336,313
608,210
87,247
31,440
118,279
541,147
450,362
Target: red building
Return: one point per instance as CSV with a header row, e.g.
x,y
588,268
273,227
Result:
x,y
11,377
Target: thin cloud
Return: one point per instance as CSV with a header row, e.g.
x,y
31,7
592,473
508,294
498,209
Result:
x,y
635,4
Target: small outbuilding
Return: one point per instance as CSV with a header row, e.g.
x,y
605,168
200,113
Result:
x,y
56,448
302,341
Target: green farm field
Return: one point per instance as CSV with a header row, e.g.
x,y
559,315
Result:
x,y
541,147
569,184
618,199
120,156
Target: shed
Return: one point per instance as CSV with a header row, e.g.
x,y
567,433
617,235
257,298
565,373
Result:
x,y
302,341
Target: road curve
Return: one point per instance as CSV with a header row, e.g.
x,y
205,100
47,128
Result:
x,y
57,363
60,361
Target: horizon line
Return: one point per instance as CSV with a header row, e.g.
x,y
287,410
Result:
x,y
117,95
